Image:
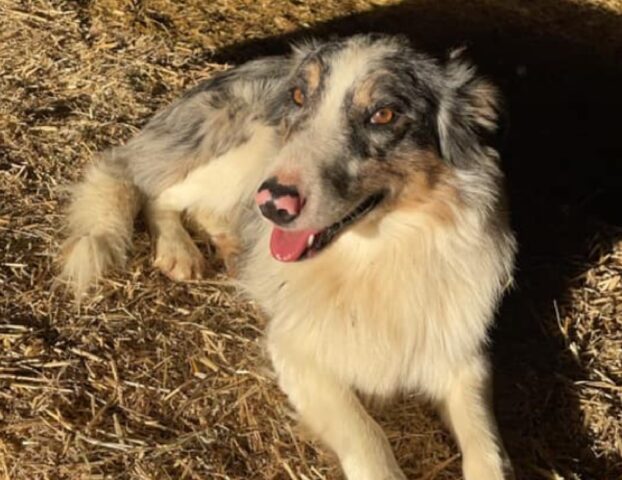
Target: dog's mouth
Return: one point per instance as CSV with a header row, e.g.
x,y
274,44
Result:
x,y
295,245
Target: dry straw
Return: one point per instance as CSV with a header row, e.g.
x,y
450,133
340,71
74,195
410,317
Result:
x,y
155,380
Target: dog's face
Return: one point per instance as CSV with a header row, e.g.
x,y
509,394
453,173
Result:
x,y
366,121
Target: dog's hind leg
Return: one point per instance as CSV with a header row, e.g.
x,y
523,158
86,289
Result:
x,y
333,412
468,410
176,254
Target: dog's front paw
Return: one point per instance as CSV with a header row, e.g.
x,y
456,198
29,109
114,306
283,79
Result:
x,y
179,259
367,469
487,467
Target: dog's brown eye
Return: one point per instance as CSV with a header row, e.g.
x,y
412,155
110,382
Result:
x,y
298,96
382,116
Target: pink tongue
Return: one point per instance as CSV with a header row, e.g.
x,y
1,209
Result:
x,y
287,245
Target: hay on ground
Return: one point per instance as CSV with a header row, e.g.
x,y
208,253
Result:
x,y
156,380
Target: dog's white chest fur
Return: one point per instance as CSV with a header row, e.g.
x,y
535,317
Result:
x,y
382,316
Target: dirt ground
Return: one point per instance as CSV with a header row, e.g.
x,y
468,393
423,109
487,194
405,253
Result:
x,y
156,380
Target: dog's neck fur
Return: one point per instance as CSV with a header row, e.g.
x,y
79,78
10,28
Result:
x,y
378,282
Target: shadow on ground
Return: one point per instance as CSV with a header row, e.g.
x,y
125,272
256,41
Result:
x,y
555,62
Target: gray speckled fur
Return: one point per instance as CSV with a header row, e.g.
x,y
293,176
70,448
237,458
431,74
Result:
x,y
208,120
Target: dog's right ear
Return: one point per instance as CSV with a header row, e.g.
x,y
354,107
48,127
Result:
x,y
468,114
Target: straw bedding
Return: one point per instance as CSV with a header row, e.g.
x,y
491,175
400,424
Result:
x,y
149,379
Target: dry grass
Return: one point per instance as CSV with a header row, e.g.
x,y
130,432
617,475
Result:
x,y
154,380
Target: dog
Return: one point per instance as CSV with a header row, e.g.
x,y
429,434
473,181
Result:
x,y
354,188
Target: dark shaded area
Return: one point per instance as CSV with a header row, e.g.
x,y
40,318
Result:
x,y
558,65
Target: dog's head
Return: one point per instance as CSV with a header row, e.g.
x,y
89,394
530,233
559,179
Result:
x,y
367,122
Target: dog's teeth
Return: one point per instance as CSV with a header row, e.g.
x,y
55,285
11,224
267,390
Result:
x,y
310,240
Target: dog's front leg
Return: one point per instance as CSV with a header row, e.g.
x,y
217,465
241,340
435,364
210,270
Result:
x,y
468,410
176,254
333,412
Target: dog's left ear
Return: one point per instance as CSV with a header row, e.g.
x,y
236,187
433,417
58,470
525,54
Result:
x,y
468,114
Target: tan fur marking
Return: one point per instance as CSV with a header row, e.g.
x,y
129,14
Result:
x,y
363,94
428,188
228,248
222,236
313,74
431,191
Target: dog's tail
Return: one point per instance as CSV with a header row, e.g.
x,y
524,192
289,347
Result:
x,y
100,223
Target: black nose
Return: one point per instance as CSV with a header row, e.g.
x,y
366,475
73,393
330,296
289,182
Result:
x,y
279,203
279,216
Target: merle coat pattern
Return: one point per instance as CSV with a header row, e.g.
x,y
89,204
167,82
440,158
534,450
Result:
x,y
353,189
